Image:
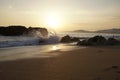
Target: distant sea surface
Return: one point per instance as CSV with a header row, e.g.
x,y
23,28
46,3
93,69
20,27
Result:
x,y
77,34
10,41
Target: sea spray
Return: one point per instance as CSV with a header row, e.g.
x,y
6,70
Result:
x,y
34,38
53,39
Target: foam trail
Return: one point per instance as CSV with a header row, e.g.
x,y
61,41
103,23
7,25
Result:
x,y
19,43
53,39
35,39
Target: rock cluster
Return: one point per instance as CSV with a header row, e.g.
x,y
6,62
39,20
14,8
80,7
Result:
x,y
98,41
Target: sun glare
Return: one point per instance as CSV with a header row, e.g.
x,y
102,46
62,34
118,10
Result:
x,y
55,48
53,20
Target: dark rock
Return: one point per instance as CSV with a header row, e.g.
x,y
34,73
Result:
x,y
21,30
75,39
97,40
83,42
12,30
112,41
118,72
66,39
115,67
43,31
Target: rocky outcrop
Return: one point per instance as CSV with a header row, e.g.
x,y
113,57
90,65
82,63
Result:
x,y
20,30
112,41
12,30
98,41
68,39
35,30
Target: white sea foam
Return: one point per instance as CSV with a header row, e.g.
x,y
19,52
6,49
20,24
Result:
x,y
32,39
24,41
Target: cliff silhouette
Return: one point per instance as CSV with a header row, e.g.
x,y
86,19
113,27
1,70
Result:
x,y
21,30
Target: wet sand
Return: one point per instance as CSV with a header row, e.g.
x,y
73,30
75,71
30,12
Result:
x,y
91,63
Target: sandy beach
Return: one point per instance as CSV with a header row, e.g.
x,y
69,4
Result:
x,y
90,63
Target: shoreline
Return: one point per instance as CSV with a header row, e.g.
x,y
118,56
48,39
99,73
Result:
x,y
26,52
90,63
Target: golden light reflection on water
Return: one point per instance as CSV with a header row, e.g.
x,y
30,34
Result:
x,y
54,48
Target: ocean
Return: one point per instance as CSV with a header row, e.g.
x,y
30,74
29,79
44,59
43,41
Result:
x,y
23,47
87,35
13,41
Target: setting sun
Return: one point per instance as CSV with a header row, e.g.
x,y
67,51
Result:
x,y
53,20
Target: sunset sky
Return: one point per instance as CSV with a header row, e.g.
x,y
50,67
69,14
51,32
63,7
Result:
x,y
61,15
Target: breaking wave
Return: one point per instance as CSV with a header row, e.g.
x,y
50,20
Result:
x,y
34,39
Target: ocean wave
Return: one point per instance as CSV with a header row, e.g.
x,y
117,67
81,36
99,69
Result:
x,y
26,41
